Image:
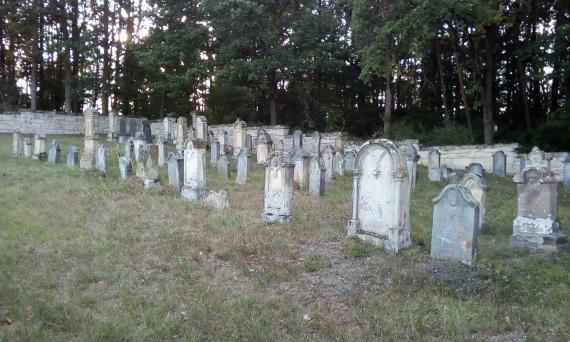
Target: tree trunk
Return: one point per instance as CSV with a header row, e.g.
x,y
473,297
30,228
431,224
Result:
x,y
66,60
75,53
34,71
439,57
487,95
106,59
388,107
459,70
522,90
272,93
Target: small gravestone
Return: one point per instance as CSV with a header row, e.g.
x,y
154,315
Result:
x,y
328,159
54,153
129,147
243,166
478,188
317,173
181,133
263,147
125,168
499,164
28,147
476,169
214,152
217,200
317,146
224,168
40,152
176,169
100,160
150,175
301,169
223,140
138,145
194,187
278,188
202,128
239,135
339,164
411,156
249,143
349,158
73,156
147,132
162,144
445,172
455,225
566,172
17,148
297,139
434,167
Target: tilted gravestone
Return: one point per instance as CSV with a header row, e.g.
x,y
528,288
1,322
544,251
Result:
x,y
243,166
100,160
214,152
54,153
349,158
176,169
381,196
73,156
194,187
317,171
499,164
477,186
434,167
224,168
328,159
455,225
278,188
301,169
125,168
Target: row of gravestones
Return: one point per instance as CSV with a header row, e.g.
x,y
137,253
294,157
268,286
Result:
x,y
22,147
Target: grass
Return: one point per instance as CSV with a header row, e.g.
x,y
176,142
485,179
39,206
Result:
x,y
89,258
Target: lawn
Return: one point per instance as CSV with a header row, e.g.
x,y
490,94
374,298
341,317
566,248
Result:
x,y
88,258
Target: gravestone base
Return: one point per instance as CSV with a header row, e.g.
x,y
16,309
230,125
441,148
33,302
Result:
x,y
87,164
191,194
394,241
150,183
277,218
549,242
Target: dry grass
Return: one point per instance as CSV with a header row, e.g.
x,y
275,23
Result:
x,y
90,258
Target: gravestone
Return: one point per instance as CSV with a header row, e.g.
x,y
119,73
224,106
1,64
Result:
x,y
476,169
243,166
445,172
194,187
249,143
537,158
263,147
522,161
147,132
478,189
91,140
317,142
280,146
239,135
317,174
434,167
122,129
217,200
40,152
339,164
202,128
129,148
328,159
223,139
214,152
297,140
536,225
150,175
54,153
28,147
566,172
72,156
349,158
181,133
224,168
453,178
17,148
455,225
381,196
111,132
301,169
278,188
138,145
125,168
499,164
100,160
176,169
411,156
132,127
162,143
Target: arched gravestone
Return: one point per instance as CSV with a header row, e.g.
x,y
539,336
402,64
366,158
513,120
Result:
x,y
455,225
223,168
478,189
499,164
434,166
54,153
349,158
538,158
194,187
243,166
328,159
278,188
411,156
301,170
536,224
100,160
476,169
317,175
381,196
263,147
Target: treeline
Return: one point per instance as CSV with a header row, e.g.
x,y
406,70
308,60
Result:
x,y
445,71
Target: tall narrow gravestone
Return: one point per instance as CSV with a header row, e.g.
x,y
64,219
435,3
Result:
x,y
249,143
125,168
28,147
243,166
122,130
202,128
339,164
223,139
90,140
194,170
499,164
162,143
181,133
17,148
297,139
434,167
176,170
111,132
566,172
54,153
349,158
317,142
214,152
411,156
239,135
40,147
132,127
381,196
301,170
478,189
328,159
224,168
455,225
536,224
150,175
72,156
147,132
100,160
138,145
317,171
278,188
263,147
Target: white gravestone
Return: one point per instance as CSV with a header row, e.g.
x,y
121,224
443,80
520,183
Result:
x,y
478,188
239,135
301,169
54,153
181,133
214,152
223,139
90,140
40,147
150,175
434,167
101,161
243,166
17,148
278,188
381,196
263,147
328,159
194,187
162,143
202,128
224,168
317,173
339,164
28,147
125,168
138,145
72,156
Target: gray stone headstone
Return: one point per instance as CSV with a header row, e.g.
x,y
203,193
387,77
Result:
x,y
176,169
147,131
566,172
122,126
328,159
297,139
538,158
499,164
317,142
522,162
411,155
100,160
278,188
339,164
28,148
478,188
217,200
249,143
301,169
349,158
150,178
455,225
162,143
317,173
73,156
224,168
264,143
476,169
453,178
132,127
129,147
194,188
125,168
17,148
138,145
214,152
434,167
445,172
243,166
54,153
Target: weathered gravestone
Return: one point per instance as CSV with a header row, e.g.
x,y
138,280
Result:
x,y
176,170
411,155
223,139
381,196
434,167
445,172
28,147
224,168
537,158
54,153
263,146
147,132
125,168
566,171
301,169
317,142
317,174
297,139
249,143
194,187
202,128
217,200
338,164
100,160
214,152
328,159
132,127
499,164
349,158
239,135
91,140
536,224
243,166
111,132
17,148
169,127
122,130
40,152
455,225
476,169
162,144
72,156
150,175
478,189
278,188
138,145
280,146
181,133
